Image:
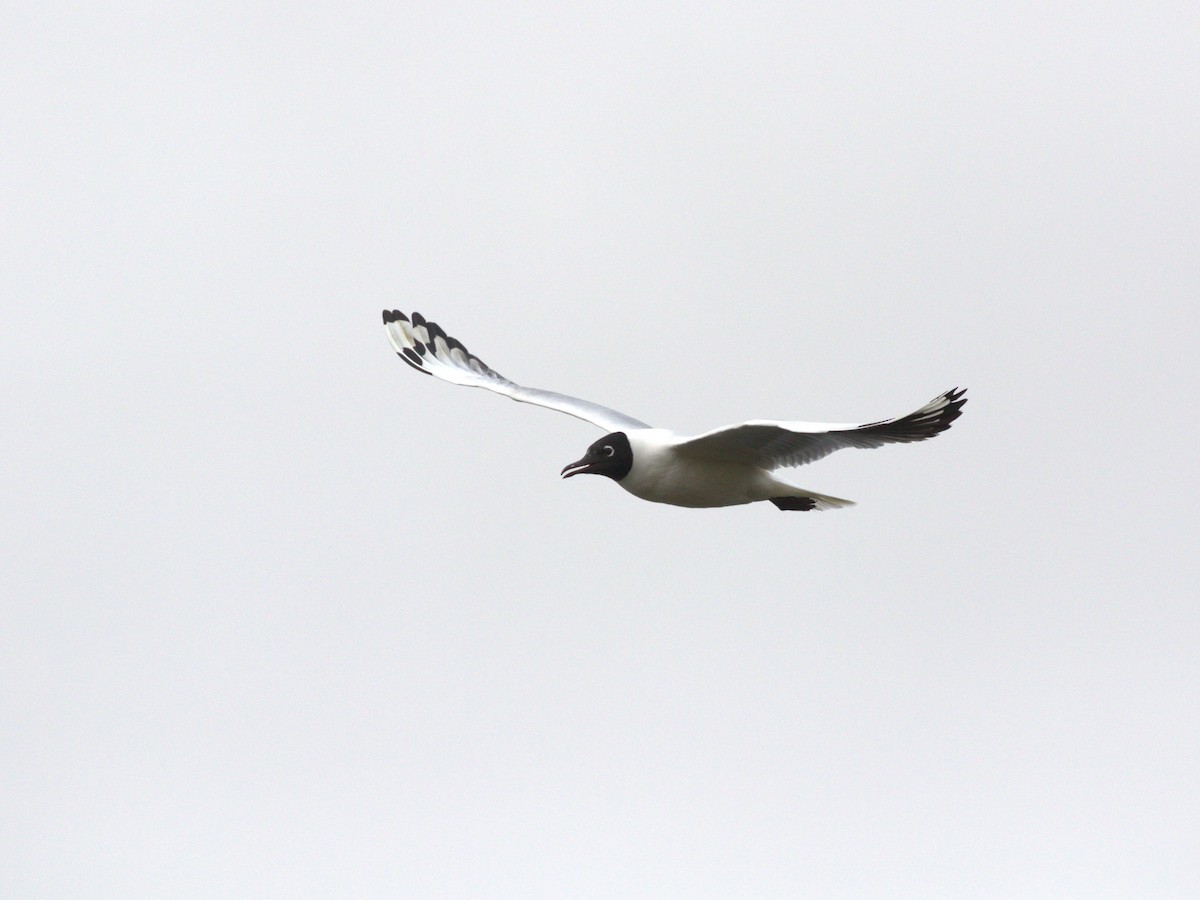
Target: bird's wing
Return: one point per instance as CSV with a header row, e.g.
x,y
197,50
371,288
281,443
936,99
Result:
x,y
773,445
427,348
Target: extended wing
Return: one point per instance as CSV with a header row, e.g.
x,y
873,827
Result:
x,y
772,445
427,348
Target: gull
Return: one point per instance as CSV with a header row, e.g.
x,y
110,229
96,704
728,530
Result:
x,y
725,467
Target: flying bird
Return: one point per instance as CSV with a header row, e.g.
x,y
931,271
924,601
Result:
x,y
725,467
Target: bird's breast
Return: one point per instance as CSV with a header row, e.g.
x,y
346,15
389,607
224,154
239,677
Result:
x,y
662,475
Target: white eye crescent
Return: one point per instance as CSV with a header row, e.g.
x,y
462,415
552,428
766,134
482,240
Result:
x,y
608,450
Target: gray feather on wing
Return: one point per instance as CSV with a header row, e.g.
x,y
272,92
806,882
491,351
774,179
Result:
x,y
771,444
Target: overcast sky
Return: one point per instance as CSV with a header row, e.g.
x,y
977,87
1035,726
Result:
x,y
281,618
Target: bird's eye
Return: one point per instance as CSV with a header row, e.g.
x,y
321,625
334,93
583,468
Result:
x,y
608,450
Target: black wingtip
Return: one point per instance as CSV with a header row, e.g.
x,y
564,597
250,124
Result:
x,y
955,401
413,360
434,330
418,354
952,410
922,424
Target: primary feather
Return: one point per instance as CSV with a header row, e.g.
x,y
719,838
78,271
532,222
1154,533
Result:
x,y
769,444
427,348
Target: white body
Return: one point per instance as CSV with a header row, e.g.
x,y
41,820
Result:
x,y
663,474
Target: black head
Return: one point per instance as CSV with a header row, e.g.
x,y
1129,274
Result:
x,y
611,456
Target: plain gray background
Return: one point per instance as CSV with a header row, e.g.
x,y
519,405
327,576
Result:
x,y
282,618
